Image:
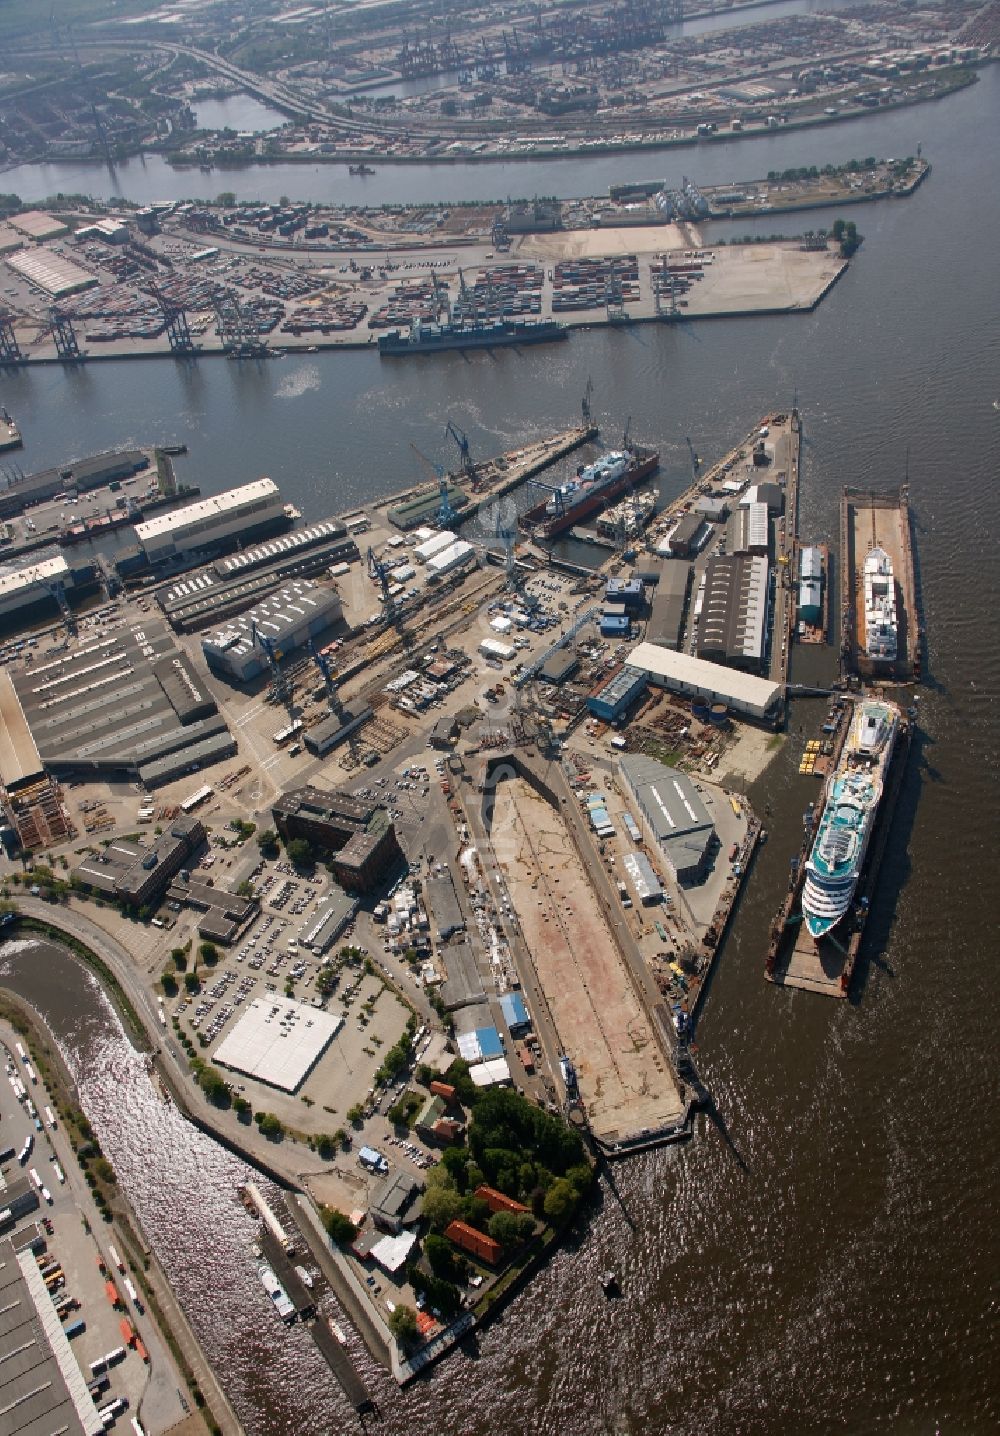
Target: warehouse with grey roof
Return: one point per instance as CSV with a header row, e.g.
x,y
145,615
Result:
x,y
286,620
127,701
680,825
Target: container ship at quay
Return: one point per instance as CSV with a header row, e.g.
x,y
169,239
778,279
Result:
x,y
852,798
425,338
593,488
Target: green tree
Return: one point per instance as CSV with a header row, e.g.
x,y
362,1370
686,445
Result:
x,y
560,1200
503,1228
340,1229
267,842
300,852
191,982
355,1114
403,1325
213,1084
440,1256
270,1125
442,1200
209,953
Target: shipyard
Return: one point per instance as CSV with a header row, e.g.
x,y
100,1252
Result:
x,y
526,780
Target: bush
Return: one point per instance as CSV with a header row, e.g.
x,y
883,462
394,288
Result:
x,y
269,1125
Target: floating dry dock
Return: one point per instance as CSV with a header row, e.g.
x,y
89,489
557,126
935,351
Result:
x,y
826,965
869,520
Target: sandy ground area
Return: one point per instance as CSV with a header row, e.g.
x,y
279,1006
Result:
x,y
623,1079
746,757
598,243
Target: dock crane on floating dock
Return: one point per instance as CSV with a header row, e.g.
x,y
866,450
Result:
x,y
446,513
462,440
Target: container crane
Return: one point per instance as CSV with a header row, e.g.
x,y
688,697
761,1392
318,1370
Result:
x,y
462,440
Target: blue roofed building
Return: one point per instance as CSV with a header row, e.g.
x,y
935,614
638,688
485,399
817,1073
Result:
x,y
615,696
515,1014
490,1044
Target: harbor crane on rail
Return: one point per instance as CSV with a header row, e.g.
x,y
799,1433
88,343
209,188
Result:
x,y
585,409
280,686
695,460
462,440
322,662
446,513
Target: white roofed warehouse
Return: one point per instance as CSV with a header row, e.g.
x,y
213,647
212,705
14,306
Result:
x,y
241,513
743,693
285,621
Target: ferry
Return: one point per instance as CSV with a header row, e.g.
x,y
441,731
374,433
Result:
x,y
283,1303
852,798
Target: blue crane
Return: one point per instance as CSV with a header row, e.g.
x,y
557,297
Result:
x,y
462,440
279,682
446,514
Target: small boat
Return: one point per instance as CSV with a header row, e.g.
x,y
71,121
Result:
x,y
609,1283
338,1331
173,449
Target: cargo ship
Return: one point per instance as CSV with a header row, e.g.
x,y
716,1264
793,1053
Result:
x,y
425,338
852,798
593,488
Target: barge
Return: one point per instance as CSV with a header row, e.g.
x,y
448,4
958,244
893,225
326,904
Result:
x,y
10,434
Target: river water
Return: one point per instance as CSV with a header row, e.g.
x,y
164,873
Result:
x,y
826,1259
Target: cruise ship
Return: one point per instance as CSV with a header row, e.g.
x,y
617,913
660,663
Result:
x,y
852,798
881,628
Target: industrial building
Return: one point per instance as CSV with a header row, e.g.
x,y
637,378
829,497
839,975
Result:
x,y
749,531
615,696
435,543
278,1041
629,592
332,915
242,513
810,587
457,555
53,273
396,1202
31,585
615,623
442,900
225,913
128,702
733,624
559,666
137,875
78,476
282,622
668,605
463,987
707,682
770,494
678,821
645,884
236,582
37,224
326,735
42,1388
688,536
360,835
496,648
515,1014
712,509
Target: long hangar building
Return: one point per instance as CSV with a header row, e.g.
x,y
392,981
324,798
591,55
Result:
x,y
743,693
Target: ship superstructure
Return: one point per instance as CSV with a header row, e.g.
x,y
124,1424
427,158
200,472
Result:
x,y
881,640
852,798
